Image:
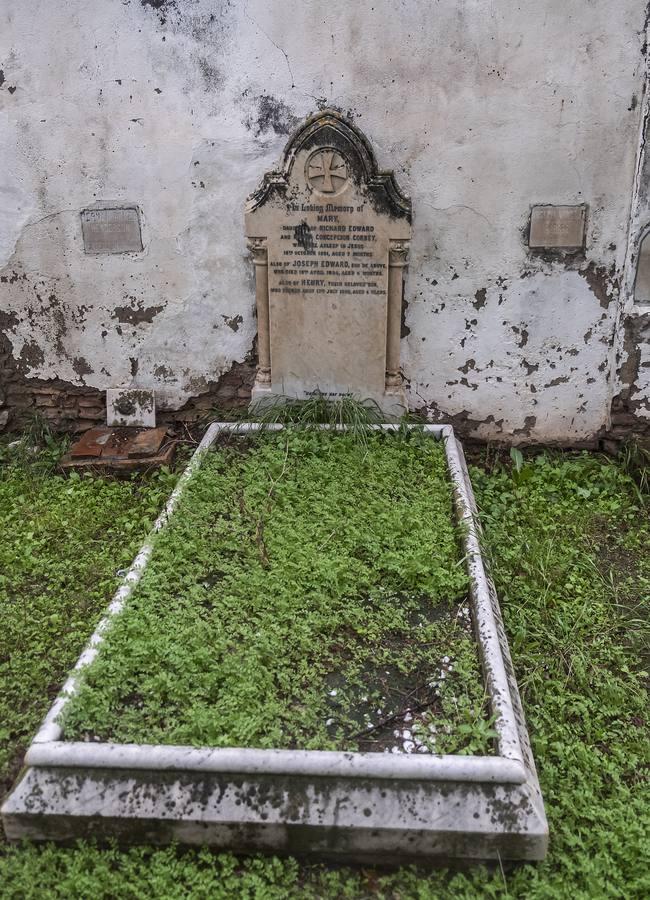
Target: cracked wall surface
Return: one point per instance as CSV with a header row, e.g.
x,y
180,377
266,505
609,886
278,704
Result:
x,y
180,107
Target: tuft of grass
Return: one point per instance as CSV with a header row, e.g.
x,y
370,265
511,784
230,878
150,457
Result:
x,y
37,451
635,460
356,414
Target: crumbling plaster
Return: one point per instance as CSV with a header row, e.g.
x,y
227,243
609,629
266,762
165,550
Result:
x,y
179,107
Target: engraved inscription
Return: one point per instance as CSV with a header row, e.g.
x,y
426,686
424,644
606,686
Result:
x,y
557,227
115,230
327,249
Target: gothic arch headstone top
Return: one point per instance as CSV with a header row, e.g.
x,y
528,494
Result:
x,y
329,233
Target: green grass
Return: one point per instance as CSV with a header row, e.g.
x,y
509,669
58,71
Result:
x,y
570,544
307,593
62,541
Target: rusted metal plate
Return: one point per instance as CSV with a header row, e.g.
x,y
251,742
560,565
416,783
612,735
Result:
x,y
121,448
147,443
91,443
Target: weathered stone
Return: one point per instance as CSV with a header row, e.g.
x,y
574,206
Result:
x,y
557,227
352,806
111,230
130,406
329,236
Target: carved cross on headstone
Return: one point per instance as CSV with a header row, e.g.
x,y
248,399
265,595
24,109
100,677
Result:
x,y
327,171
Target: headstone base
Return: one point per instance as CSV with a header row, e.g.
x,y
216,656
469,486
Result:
x,y
392,402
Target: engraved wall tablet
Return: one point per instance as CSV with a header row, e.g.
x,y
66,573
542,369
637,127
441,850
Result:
x,y
329,237
557,227
111,229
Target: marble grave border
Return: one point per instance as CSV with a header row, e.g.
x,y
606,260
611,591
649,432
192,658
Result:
x,y
359,807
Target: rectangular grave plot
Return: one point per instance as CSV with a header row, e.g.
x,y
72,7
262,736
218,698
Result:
x,y
363,641
355,805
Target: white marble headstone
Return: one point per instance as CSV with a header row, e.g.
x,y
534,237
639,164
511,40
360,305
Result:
x,y
329,235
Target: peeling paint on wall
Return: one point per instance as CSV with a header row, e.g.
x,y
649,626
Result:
x,y
181,108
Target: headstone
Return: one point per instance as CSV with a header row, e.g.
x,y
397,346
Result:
x,y
130,407
557,227
329,235
111,230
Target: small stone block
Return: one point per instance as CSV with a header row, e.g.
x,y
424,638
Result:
x,y
115,230
557,227
131,407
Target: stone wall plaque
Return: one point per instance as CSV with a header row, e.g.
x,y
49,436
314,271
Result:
x,y
329,236
111,230
130,407
557,227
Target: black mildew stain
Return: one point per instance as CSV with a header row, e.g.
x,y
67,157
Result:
x,y
8,320
480,299
529,367
82,366
271,114
31,356
523,335
129,315
404,329
529,424
233,322
602,283
302,235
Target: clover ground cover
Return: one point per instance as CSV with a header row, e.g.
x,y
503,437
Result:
x,y
559,537
309,592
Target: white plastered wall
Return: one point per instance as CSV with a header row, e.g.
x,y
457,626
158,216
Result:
x,y
482,109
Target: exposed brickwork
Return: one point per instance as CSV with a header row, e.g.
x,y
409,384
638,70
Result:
x,y
625,422
74,409
627,405
231,391
66,407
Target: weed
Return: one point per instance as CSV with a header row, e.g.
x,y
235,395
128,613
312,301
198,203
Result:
x,y
635,460
355,414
